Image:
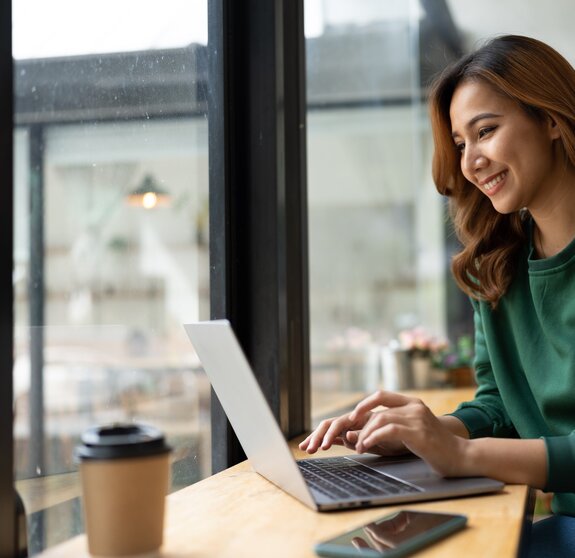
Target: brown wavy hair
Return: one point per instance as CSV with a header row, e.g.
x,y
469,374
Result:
x,y
542,82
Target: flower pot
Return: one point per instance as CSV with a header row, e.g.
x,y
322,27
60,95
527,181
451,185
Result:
x,y
464,376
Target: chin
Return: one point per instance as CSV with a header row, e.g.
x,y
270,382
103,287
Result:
x,y
506,208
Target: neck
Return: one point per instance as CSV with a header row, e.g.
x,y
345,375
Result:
x,y
553,235
554,217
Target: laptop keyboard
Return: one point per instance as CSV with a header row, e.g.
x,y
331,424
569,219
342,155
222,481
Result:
x,y
339,477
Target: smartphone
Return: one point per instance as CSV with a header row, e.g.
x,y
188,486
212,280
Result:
x,y
394,535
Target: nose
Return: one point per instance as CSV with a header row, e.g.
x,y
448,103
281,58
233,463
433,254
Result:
x,y
474,160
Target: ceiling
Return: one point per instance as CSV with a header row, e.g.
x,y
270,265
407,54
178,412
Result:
x,y
548,20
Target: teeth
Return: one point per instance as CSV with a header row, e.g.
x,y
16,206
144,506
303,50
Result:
x,y
495,181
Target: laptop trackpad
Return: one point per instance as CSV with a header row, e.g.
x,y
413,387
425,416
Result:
x,y
405,467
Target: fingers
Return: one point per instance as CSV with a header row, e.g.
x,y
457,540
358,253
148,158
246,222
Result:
x,y
404,424
350,438
397,424
313,441
384,398
389,432
339,431
359,543
307,444
328,433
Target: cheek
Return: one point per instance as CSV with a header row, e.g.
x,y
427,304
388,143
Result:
x,y
500,148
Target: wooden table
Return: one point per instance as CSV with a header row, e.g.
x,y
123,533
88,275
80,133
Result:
x,y
238,514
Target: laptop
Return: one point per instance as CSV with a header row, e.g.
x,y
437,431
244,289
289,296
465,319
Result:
x,y
326,483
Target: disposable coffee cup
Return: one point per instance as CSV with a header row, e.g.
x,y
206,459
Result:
x,y
125,477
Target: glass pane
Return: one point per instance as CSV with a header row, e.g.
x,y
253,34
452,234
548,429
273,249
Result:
x,y
105,276
375,220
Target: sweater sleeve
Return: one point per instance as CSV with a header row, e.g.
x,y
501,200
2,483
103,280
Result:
x,y
486,414
561,462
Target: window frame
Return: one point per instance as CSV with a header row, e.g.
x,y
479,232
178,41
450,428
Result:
x,y
7,500
258,203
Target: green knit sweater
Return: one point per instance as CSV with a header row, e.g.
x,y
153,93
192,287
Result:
x,y
525,367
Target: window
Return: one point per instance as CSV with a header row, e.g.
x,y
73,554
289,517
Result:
x,y
376,238
102,285
104,278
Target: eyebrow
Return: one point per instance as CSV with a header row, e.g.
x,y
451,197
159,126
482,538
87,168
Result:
x,y
477,118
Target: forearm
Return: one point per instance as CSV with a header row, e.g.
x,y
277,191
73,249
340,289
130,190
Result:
x,y
513,461
509,460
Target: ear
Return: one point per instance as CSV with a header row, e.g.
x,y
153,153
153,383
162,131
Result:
x,y
553,128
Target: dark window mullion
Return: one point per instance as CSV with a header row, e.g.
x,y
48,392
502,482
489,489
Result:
x,y
7,503
296,234
257,195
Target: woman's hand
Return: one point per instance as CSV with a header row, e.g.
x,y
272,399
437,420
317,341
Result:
x,y
388,423
408,421
391,423
344,431
336,431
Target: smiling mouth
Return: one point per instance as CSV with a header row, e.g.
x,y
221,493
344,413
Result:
x,y
495,181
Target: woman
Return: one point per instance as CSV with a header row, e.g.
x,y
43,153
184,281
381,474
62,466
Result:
x,y
503,122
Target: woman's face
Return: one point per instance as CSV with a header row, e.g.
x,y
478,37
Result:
x,y
504,152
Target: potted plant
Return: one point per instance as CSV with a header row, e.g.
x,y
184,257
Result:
x,y
457,361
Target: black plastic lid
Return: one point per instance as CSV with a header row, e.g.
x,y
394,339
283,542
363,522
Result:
x,y
117,441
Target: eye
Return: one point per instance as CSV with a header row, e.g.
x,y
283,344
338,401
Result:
x,y
486,130
460,147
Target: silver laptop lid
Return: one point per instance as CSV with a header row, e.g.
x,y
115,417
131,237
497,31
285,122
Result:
x,y
246,407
